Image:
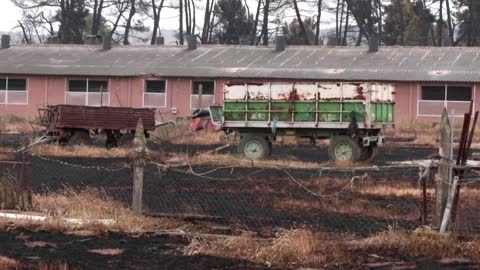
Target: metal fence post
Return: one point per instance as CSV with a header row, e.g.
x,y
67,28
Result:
x,y
138,165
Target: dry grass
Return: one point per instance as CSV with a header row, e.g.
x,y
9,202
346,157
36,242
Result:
x,y
79,151
419,244
289,247
91,206
302,247
16,124
422,133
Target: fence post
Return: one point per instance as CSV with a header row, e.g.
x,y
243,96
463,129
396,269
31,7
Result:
x,y
138,165
442,180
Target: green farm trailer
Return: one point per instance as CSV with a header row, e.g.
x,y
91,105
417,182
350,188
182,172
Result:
x,y
351,115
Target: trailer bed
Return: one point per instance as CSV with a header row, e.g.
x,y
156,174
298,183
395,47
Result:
x,y
102,118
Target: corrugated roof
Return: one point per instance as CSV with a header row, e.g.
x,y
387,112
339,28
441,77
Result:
x,y
453,64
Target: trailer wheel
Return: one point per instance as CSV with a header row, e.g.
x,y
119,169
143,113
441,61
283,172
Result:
x,y
343,148
255,147
368,153
80,137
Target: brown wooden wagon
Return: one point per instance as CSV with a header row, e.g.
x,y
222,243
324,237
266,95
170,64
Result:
x,y
71,124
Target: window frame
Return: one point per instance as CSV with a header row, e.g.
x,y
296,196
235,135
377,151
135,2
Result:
x,y
86,103
145,92
192,95
445,102
27,83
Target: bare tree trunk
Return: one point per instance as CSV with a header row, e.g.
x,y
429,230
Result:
x,y
337,23
63,21
180,8
121,10
206,22
440,24
449,22
194,24
25,35
255,24
266,10
129,22
345,31
156,20
317,25
402,24
97,16
340,27
187,17
359,38
378,5
300,23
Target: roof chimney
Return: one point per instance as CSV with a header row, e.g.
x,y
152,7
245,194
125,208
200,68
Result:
x,y
5,41
280,43
373,44
192,42
107,43
93,39
160,41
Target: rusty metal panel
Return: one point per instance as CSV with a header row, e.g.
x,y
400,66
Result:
x,y
235,92
113,118
382,92
259,91
306,91
282,91
329,91
310,91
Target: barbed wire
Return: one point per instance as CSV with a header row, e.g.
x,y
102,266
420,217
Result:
x,y
99,168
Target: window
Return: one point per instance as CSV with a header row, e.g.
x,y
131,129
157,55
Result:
x,y
434,98
203,94
87,92
433,93
208,88
154,95
13,91
459,93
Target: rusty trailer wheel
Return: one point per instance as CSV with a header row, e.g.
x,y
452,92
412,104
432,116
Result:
x,y
343,149
80,137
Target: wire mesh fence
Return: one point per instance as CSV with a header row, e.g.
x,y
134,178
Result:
x,y
252,197
15,182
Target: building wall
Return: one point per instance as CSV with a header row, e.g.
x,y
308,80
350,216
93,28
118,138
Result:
x,y
128,92
407,103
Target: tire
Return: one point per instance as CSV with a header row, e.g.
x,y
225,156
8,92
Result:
x,y
368,153
255,147
344,149
126,140
80,137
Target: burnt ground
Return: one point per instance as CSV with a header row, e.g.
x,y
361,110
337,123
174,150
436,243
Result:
x,y
243,198
55,250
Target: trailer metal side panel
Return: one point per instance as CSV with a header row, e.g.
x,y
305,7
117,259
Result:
x,y
307,104
105,118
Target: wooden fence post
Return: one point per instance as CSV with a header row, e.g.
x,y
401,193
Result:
x,y
442,180
138,165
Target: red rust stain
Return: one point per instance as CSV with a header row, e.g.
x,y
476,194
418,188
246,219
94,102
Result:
x,y
359,91
293,95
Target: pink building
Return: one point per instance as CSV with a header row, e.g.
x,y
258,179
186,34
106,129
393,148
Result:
x,y
169,78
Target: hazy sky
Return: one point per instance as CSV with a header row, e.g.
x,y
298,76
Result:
x,y
9,14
